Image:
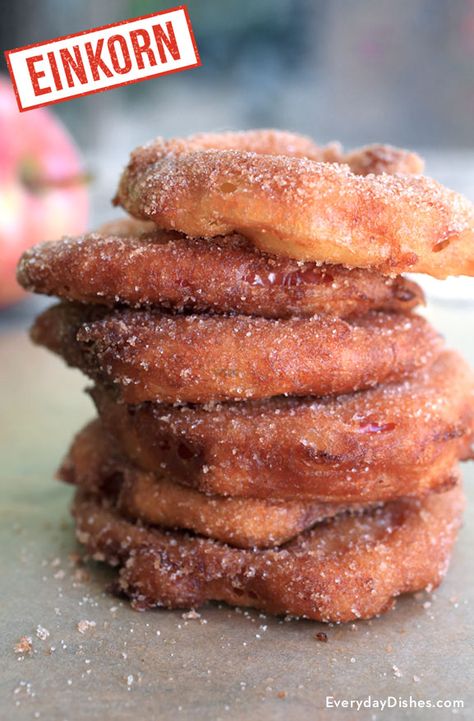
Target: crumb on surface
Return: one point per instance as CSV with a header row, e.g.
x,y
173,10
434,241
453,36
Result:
x,y
24,645
84,625
191,615
42,632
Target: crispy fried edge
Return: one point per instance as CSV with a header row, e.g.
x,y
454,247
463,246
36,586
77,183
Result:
x,y
347,568
197,359
334,449
94,464
297,207
128,264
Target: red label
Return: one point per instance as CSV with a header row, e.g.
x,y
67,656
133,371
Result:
x,y
103,58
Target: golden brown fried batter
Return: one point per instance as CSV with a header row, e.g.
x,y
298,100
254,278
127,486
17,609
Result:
x,y
127,264
376,445
198,358
346,568
378,159
375,158
301,208
274,142
95,464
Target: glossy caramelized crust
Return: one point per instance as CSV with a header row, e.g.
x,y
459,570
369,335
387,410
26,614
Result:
x,y
394,440
300,207
127,263
94,464
196,359
346,568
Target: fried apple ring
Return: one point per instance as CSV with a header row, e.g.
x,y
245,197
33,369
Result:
x,y
125,263
371,159
301,208
94,464
376,445
345,568
197,359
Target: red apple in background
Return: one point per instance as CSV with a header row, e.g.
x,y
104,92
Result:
x,y
43,193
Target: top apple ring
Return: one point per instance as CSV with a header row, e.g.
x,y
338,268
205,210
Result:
x,y
364,209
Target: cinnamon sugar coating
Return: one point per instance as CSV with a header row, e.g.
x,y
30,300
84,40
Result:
x,y
363,209
376,158
129,263
95,464
375,445
198,358
346,568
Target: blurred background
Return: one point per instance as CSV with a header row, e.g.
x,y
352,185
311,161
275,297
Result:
x,y
357,71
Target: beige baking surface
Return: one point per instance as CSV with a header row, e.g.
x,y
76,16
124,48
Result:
x,y
160,665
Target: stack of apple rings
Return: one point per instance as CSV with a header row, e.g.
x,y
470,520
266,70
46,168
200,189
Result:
x,y
277,427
